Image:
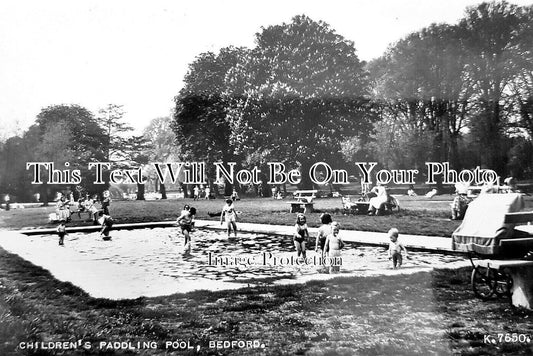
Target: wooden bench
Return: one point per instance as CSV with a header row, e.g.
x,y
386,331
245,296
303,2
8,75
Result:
x,y
304,201
521,271
305,195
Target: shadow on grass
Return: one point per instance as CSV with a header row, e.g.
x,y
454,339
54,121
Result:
x,y
420,313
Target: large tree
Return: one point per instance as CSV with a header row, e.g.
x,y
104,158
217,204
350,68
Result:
x,y
121,149
69,133
200,117
14,178
199,122
423,91
297,95
492,34
522,85
115,129
162,145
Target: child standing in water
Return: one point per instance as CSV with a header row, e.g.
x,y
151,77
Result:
x,y
185,221
230,215
333,247
323,231
61,232
396,248
301,235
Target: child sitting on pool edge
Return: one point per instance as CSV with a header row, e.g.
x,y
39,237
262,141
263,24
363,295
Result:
x,y
396,248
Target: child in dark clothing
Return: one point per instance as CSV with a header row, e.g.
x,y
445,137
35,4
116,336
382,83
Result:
x,y
106,222
61,232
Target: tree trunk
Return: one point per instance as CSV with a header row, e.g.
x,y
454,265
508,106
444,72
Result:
x,y
306,182
185,190
455,158
44,194
140,192
265,189
228,188
163,191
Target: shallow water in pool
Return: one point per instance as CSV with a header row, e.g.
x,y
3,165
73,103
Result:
x,y
162,250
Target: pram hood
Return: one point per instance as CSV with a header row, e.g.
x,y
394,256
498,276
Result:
x,y
484,223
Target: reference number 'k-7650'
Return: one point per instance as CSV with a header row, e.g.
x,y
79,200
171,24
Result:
x,y
507,338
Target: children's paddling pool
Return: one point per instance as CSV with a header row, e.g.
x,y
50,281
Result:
x,y
153,262
245,259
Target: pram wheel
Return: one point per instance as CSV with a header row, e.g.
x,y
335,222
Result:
x,y
483,282
489,281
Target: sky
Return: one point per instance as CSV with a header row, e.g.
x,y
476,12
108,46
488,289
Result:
x,y
136,53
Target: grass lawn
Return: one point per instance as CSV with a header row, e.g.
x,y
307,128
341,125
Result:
x,y
413,314
417,314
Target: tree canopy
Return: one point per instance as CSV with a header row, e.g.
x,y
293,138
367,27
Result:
x,y
292,98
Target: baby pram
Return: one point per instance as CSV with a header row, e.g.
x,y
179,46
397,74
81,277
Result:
x,y
491,230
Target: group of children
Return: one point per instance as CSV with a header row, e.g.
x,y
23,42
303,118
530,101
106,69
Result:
x,y
86,204
329,243
186,221
201,192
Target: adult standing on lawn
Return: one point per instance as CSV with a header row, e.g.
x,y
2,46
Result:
x,y
323,232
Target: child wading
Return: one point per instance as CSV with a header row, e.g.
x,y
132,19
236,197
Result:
x,y
230,216
333,247
323,231
186,223
396,248
301,235
106,222
61,232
